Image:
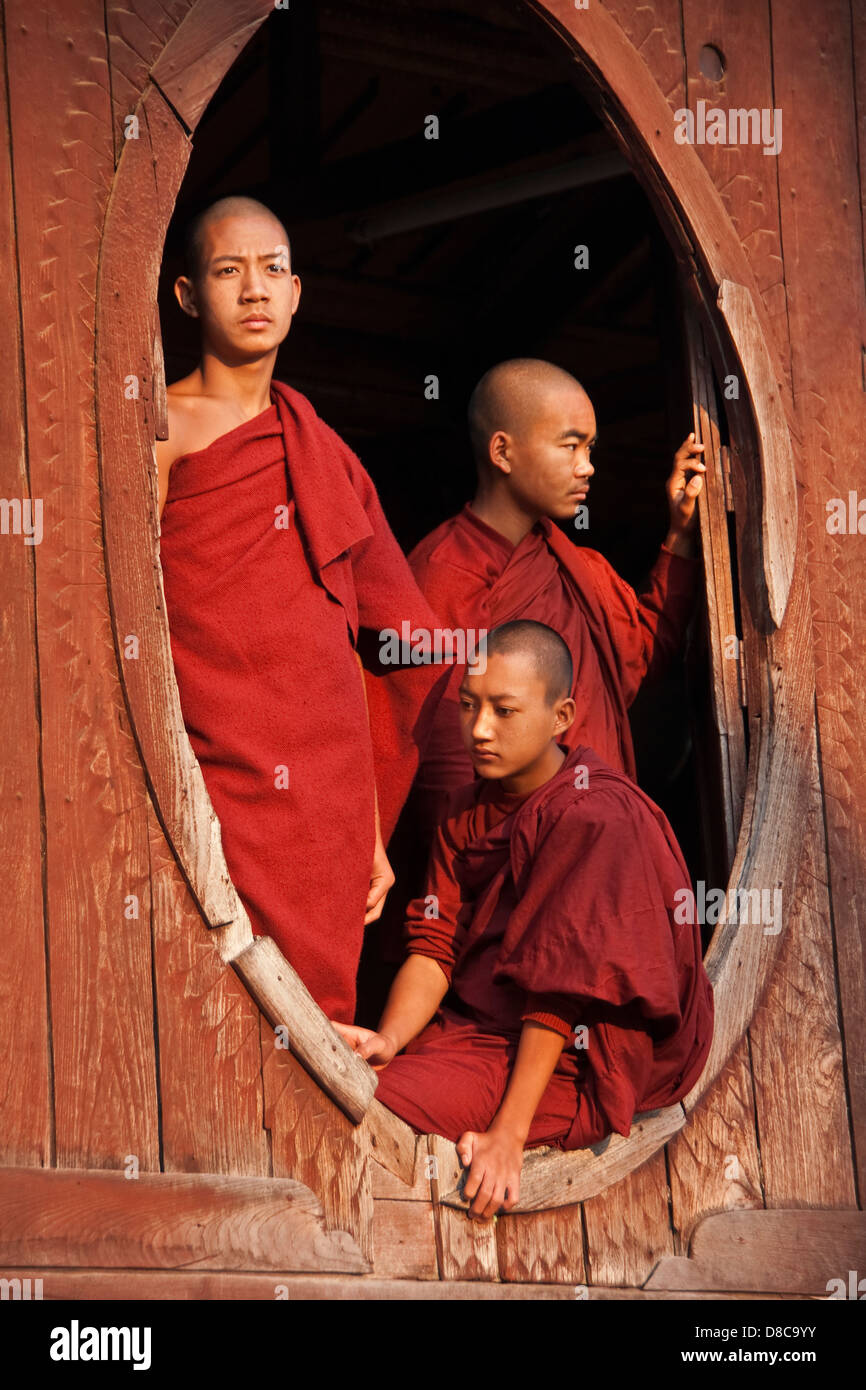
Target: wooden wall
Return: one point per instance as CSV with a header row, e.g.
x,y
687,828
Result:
x,y
121,1033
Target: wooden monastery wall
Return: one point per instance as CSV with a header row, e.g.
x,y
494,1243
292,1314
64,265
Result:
x,y
127,1045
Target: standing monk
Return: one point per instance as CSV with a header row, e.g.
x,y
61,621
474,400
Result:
x,y
532,428
275,554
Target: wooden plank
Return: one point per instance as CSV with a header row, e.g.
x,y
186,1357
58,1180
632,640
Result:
x,y
721,613
202,49
558,1178
404,1242
96,863
782,1252
714,1163
628,1227
747,179
137,32
800,1092
655,30
281,996
779,500
25,1062
541,1247
209,1038
314,1142
814,84
397,1150
165,1221
146,1285
466,1248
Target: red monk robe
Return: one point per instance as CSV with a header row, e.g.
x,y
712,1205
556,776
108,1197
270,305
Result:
x,y
557,906
275,552
475,577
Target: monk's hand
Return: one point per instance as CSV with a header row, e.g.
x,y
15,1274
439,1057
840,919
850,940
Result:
x,y
376,1048
381,882
682,488
494,1160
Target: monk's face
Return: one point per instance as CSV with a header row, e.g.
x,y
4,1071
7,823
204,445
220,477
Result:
x,y
548,453
508,725
245,293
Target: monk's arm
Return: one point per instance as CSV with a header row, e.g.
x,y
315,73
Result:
x,y
419,987
538,1052
496,1156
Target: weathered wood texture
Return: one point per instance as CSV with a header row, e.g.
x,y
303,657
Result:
x,y
26,1116
822,228
50,1216
773,1251
96,854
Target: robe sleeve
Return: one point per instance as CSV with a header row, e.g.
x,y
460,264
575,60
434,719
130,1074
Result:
x,y
647,628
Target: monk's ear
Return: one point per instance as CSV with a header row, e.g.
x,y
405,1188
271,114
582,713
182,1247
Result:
x,y
499,452
565,712
184,293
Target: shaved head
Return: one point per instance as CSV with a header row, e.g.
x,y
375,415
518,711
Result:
x,y
235,205
545,648
508,396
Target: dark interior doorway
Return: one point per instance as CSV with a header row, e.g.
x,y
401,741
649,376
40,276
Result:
x,y
438,257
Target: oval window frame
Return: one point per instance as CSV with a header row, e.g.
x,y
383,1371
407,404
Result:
x,y
148,178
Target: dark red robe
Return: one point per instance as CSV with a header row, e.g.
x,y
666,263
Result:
x,y
558,906
275,554
475,577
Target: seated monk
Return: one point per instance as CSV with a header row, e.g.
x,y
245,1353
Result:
x,y
549,990
276,561
532,428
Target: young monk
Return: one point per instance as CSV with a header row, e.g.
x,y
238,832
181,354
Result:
x,y
574,997
275,557
533,429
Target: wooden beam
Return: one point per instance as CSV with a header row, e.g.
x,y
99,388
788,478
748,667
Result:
x,y
69,1217
782,1252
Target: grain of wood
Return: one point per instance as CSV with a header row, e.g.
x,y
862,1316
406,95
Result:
x,y
25,1061
315,1143
782,1252
209,1038
96,852
167,1221
824,100
404,1241
541,1247
202,49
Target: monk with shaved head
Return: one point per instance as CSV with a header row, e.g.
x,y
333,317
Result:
x,y
276,561
552,988
533,429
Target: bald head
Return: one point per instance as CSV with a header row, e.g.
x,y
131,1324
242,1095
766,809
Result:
x,y
508,398
233,206
544,648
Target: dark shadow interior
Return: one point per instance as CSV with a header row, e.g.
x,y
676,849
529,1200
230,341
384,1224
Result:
x,y
423,258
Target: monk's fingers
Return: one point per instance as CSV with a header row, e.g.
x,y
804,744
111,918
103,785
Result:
x,y
512,1195
466,1147
494,1202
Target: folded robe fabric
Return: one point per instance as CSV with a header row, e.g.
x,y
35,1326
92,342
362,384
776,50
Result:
x,y
276,557
561,907
476,578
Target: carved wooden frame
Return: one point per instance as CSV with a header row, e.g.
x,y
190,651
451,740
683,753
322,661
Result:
x,y
147,181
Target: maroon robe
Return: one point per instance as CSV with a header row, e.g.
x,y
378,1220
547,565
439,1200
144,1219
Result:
x,y
275,553
475,577
560,907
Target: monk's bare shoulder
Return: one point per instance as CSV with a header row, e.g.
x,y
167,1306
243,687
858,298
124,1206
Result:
x,y
194,421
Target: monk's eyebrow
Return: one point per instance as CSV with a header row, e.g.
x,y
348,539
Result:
x,y
267,256
577,434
